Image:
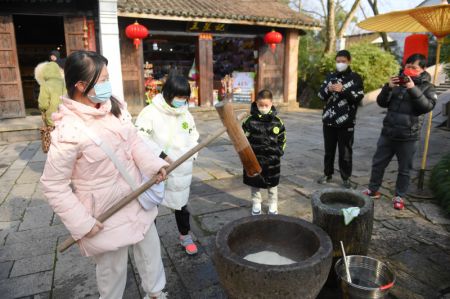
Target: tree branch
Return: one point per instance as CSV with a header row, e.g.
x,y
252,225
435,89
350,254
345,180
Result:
x,y
331,30
324,8
313,12
373,4
348,19
363,12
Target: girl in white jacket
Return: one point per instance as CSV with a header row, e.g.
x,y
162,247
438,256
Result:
x,y
167,125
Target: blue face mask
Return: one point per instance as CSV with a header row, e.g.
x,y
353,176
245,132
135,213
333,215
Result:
x,y
178,102
102,92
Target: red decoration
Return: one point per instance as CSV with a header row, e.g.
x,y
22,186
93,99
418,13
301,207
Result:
x,y
415,44
272,39
136,32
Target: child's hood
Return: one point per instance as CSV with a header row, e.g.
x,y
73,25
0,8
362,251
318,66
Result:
x,y
161,104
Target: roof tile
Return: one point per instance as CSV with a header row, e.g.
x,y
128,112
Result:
x,y
266,11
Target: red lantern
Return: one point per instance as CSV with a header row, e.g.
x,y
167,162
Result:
x,y
272,39
136,32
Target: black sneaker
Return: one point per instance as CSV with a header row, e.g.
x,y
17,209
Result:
x,y
324,179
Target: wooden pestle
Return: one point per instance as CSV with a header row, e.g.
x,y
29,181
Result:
x,y
238,138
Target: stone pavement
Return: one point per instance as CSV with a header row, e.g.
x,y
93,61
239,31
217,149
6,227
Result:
x,y
416,241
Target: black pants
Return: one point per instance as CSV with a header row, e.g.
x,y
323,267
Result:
x,y
182,218
343,138
386,149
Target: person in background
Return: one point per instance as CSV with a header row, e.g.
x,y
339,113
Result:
x,y
169,127
81,180
266,134
407,98
342,91
52,88
54,55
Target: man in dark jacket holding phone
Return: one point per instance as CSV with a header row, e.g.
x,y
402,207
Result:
x,y
341,91
407,97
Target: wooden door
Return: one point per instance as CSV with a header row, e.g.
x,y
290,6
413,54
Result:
x,y
11,94
132,60
74,34
271,70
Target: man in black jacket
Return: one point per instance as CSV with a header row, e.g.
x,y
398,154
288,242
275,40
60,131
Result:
x,y
342,91
407,97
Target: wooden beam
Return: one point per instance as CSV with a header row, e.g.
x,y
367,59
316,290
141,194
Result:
x,y
291,66
204,62
132,60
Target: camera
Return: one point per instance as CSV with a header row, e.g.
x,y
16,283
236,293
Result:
x,y
402,79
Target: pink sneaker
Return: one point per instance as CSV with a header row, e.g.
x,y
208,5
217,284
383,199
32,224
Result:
x,y
188,244
398,202
371,194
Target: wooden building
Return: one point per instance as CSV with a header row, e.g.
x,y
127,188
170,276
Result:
x,y
29,30
221,36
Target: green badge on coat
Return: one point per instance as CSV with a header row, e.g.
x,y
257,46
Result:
x,y
185,125
276,130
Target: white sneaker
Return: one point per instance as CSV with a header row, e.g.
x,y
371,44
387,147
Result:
x,y
163,295
256,209
273,209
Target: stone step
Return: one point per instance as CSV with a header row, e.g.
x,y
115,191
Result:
x,y
20,129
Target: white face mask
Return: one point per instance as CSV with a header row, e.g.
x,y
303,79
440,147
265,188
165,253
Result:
x,y
340,66
264,110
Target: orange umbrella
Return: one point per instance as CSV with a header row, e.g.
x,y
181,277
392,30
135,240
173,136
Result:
x,y
434,19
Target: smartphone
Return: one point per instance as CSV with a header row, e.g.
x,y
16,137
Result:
x,y
333,80
402,79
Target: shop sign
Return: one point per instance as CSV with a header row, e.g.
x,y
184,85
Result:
x,y
243,86
243,80
206,27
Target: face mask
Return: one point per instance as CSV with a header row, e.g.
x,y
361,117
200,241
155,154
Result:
x,y
411,72
264,110
178,102
102,92
340,66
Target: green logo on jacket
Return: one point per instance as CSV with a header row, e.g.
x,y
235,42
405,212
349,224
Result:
x,y
185,125
276,130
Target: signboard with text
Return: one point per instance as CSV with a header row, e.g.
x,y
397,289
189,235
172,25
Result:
x,y
243,86
206,27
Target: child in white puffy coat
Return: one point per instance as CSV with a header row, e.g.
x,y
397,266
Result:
x,y
169,127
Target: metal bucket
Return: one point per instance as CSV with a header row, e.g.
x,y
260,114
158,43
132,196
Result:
x,y
370,278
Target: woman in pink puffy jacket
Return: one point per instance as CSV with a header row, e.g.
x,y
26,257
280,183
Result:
x,y
81,182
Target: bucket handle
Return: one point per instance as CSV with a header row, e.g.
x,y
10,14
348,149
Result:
x,y
387,286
